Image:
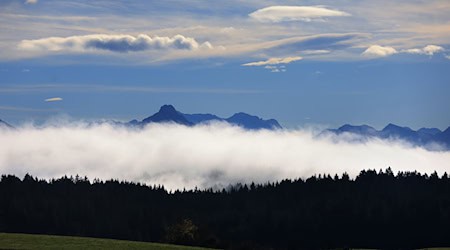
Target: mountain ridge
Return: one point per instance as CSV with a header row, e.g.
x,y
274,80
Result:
x,y
420,137
168,113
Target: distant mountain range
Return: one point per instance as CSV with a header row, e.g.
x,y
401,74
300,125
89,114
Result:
x,y
422,137
167,113
426,137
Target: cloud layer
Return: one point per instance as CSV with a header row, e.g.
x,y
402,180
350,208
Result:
x,y
294,13
114,43
274,61
203,156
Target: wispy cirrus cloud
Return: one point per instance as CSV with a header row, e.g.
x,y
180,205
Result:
x,y
274,61
316,52
31,1
276,64
239,26
294,13
53,99
113,43
320,42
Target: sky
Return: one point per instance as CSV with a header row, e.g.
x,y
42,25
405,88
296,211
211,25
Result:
x,y
303,63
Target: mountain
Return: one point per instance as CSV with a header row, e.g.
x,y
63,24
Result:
x,y
202,118
252,122
444,137
4,124
421,137
429,131
167,113
364,130
394,131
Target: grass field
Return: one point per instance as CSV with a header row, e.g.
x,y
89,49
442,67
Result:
x,y
34,241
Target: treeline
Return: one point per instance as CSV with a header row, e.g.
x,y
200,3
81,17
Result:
x,y
375,210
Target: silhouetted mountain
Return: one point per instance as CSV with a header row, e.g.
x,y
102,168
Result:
x,y
252,122
429,131
446,134
108,122
421,137
167,113
133,122
444,137
394,131
360,130
201,118
5,124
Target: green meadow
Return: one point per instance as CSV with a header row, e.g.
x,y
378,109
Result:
x,y
34,241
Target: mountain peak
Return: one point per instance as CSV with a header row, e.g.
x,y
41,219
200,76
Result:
x,y
167,113
393,127
242,114
348,126
252,122
167,108
357,129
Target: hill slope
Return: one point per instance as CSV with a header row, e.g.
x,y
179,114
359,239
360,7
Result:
x,y
31,241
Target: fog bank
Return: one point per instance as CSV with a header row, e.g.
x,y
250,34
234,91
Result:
x,y
203,156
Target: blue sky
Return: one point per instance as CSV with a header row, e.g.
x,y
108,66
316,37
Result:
x,y
300,62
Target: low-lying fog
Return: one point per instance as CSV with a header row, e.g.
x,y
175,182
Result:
x,y
203,156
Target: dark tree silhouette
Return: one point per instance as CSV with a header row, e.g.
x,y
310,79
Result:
x,y
375,210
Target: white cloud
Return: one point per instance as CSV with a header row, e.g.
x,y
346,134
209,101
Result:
x,y
294,13
275,69
31,1
379,51
447,56
274,61
273,64
114,43
427,50
203,156
404,24
54,99
383,51
315,52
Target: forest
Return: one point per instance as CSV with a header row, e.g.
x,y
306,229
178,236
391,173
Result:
x,y
376,209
